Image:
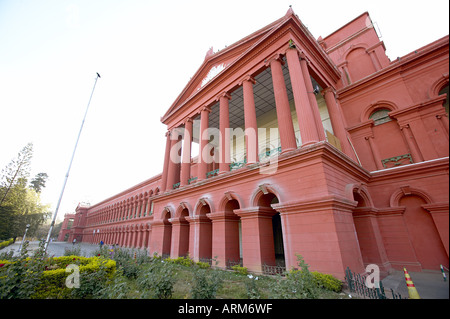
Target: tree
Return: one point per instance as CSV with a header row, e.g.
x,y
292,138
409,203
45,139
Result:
x,y
18,168
38,182
21,205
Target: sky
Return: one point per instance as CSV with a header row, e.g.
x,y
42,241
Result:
x,y
146,52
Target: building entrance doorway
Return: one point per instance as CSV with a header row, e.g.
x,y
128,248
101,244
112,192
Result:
x,y
275,258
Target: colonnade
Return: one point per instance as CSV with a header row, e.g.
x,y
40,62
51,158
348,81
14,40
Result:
x,y
310,124
135,235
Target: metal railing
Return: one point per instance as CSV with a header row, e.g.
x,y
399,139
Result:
x,y
357,284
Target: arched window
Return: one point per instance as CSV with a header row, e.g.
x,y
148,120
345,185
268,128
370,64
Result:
x,y
445,91
380,116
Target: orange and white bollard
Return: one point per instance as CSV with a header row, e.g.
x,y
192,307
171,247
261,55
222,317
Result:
x,y
443,273
412,291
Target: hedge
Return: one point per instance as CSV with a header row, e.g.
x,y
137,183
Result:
x,y
53,284
53,280
6,243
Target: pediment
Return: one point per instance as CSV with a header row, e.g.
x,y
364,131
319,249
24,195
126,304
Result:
x,y
229,58
216,63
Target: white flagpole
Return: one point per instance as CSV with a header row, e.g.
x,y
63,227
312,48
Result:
x,y
70,165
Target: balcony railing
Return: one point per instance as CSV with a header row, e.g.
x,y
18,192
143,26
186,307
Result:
x,y
212,173
397,160
237,165
270,153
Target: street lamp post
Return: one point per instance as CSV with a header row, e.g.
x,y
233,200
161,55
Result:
x,y
23,239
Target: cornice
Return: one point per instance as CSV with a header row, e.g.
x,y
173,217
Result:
x,y
127,191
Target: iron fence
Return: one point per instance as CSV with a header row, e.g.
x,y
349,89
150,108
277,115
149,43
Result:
x,y
357,284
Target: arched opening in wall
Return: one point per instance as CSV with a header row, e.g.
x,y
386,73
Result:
x,y
204,235
364,230
233,235
393,147
275,247
184,234
167,236
444,90
423,234
380,116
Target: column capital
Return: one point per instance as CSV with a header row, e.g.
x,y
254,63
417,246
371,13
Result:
x,y
249,78
255,212
403,126
187,119
222,216
206,109
276,57
224,94
328,90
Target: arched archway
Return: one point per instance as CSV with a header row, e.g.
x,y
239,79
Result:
x,y
368,232
201,231
167,233
262,233
233,234
429,249
180,232
266,201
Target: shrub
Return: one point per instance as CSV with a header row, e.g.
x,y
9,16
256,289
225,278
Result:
x,y
75,250
118,288
206,283
20,275
184,261
94,272
158,281
327,281
203,265
297,284
6,243
251,288
240,270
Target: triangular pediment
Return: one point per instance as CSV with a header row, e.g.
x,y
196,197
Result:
x,y
230,58
217,62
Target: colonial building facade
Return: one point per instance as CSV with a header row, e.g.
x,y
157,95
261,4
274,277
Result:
x,y
283,144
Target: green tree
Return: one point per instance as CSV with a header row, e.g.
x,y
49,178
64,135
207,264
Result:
x,y
17,169
38,182
20,205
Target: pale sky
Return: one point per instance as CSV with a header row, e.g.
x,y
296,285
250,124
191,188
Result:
x,y
146,52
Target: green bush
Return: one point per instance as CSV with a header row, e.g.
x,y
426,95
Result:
x,y
298,284
53,281
157,280
206,283
41,278
6,243
184,261
202,265
327,281
240,270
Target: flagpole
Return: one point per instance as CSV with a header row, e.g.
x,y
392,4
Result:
x,y
68,170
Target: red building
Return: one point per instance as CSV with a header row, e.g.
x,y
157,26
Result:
x,y
318,147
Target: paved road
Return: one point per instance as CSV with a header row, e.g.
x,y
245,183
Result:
x,y
429,284
56,248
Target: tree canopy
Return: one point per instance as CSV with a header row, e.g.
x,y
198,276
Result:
x,y
20,203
